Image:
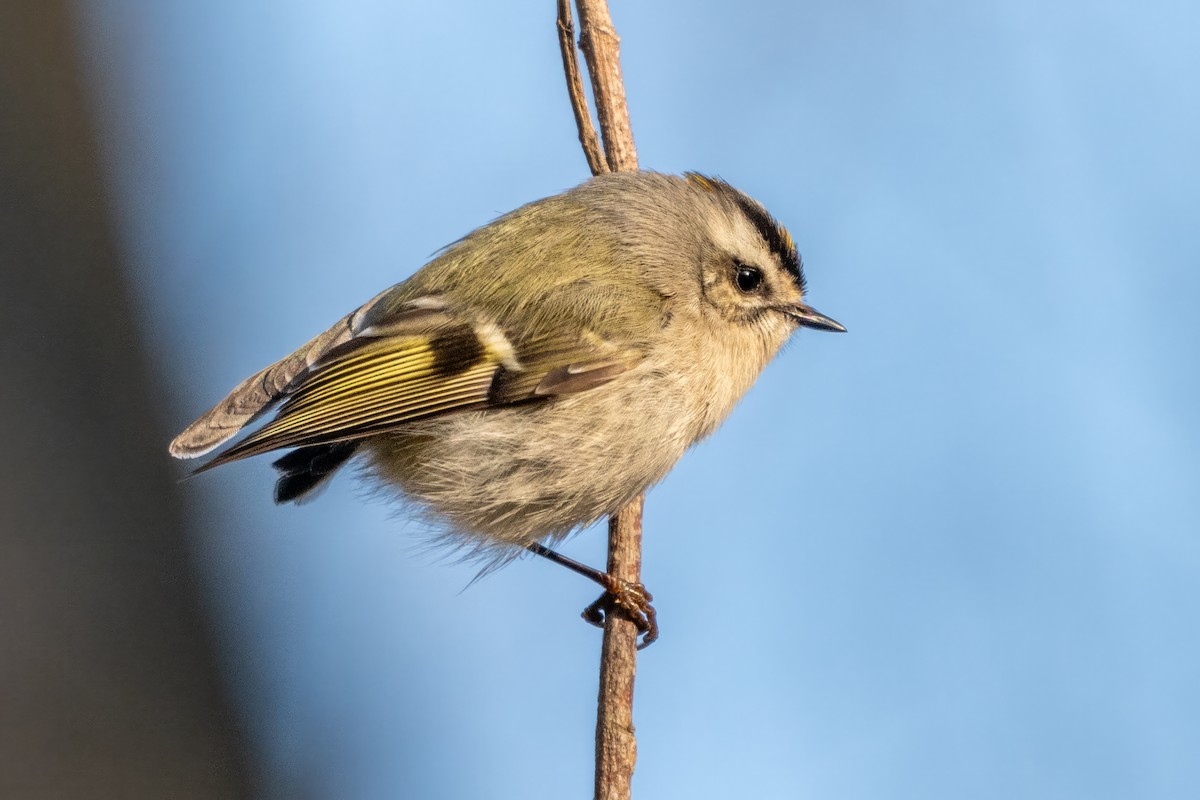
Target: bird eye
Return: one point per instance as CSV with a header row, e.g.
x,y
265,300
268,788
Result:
x,y
748,278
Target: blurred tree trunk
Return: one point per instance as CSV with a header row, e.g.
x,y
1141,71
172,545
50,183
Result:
x,y
108,685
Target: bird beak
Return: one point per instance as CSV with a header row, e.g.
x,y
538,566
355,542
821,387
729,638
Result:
x,y
809,317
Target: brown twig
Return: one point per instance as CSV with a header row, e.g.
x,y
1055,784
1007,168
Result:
x,y
588,139
602,48
616,743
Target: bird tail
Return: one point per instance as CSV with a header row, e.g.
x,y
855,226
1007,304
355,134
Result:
x,y
306,469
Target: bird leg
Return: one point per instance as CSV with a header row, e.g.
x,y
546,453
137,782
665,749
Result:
x,y
631,598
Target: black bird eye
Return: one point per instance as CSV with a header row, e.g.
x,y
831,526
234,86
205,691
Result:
x,y
748,278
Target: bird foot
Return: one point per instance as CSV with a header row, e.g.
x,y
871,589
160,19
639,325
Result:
x,y
631,598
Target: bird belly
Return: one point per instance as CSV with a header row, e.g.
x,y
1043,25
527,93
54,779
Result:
x,y
513,476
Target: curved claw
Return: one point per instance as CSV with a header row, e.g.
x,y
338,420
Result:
x,y
631,598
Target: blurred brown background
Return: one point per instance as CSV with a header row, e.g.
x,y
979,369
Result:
x,y
108,685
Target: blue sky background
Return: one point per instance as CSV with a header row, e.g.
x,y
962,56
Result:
x,y
953,553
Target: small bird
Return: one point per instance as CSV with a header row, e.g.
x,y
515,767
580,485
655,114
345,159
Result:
x,y
541,372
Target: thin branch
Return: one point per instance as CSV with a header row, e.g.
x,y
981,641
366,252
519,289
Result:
x,y
602,48
588,139
616,743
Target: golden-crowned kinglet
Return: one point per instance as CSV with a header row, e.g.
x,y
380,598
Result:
x,y
544,370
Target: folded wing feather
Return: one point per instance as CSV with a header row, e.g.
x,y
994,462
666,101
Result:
x,y
424,360
255,395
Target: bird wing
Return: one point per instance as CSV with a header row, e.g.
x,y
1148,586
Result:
x,y
422,360
254,396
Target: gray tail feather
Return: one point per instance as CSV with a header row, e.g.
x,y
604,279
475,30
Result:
x,y
306,468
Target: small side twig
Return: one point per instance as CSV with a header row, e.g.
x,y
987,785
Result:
x,y
588,139
616,743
